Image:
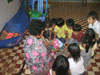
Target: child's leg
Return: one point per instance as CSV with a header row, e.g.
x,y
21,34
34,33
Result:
x,y
71,40
88,67
62,39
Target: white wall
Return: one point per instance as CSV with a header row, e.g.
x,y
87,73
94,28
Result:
x,y
7,11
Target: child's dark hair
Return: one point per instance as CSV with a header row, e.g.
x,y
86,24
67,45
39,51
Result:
x,y
53,21
98,42
86,40
70,22
60,22
47,21
35,27
93,14
61,65
74,51
92,35
77,27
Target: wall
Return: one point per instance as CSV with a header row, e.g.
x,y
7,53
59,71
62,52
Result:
x,y
72,0
8,10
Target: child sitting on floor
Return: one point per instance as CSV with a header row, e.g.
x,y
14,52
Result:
x,y
49,30
49,35
60,30
60,66
91,33
86,50
46,33
69,26
75,60
77,33
5,35
53,23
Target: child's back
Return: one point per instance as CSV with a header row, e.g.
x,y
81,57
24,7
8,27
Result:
x,y
86,50
92,36
76,67
86,56
75,60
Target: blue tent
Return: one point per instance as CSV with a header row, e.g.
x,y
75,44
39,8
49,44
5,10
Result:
x,y
18,23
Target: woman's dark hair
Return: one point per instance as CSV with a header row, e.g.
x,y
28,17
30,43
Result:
x,y
92,35
77,27
70,22
35,27
61,65
60,22
74,51
93,14
53,21
86,40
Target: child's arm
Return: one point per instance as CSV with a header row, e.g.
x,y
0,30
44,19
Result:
x,y
55,35
53,73
66,32
97,36
65,47
50,35
45,42
69,73
55,50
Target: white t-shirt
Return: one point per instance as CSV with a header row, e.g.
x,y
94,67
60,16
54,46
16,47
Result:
x,y
76,68
95,27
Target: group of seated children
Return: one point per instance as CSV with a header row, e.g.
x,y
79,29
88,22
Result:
x,y
58,33
67,32
63,32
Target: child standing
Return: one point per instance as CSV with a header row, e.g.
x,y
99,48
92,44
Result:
x,y
77,33
94,23
86,50
60,30
75,60
60,66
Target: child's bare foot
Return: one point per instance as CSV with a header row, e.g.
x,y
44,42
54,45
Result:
x,y
88,67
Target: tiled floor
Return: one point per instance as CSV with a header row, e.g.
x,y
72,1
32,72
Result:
x,y
11,59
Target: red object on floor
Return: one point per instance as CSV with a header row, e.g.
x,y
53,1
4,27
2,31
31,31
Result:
x,y
10,35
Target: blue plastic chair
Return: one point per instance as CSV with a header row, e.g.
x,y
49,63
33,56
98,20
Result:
x,y
40,8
